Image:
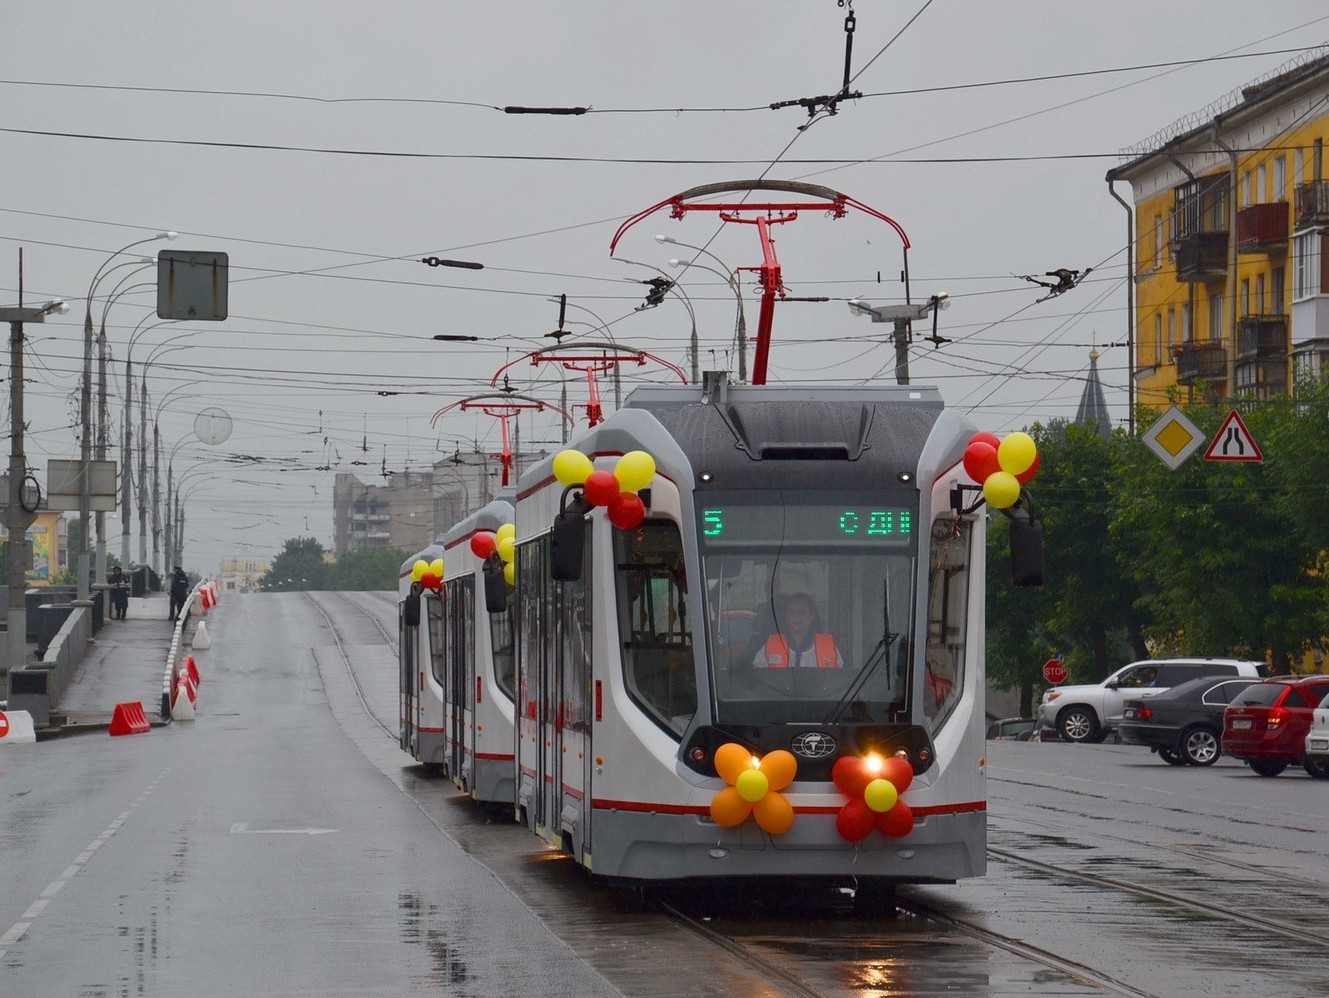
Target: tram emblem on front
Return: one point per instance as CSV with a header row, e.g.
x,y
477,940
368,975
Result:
x,y
813,745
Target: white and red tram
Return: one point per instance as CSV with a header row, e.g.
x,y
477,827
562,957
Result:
x,y
656,651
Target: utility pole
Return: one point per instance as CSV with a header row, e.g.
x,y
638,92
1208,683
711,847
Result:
x,y
102,416
902,317
20,512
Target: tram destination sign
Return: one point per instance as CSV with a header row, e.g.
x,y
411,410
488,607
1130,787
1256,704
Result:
x,y
870,526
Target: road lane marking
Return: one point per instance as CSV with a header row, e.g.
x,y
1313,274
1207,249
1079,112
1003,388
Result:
x,y
242,828
17,930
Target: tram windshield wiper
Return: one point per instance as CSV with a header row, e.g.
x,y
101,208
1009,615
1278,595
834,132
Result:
x,y
877,656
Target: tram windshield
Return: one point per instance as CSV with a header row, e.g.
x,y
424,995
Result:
x,y
810,598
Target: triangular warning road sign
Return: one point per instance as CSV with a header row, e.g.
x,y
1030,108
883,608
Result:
x,y
1233,442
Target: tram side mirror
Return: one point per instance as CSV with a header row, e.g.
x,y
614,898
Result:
x,y
410,608
567,542
1026,550
496,587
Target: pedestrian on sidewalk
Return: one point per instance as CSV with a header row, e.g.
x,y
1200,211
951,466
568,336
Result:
x,y
179,590
119,584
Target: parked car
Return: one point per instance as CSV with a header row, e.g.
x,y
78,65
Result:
x,y
1267,723
1184,724
1317,740
1090,712
1017,729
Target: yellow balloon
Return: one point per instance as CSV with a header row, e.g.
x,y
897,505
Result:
x,y
507,530
729,809
752,785
780,768
731,759
774,813
1016,453
880,795
634,470
506,549
418,569
1001,490
436,566
571,467
510,574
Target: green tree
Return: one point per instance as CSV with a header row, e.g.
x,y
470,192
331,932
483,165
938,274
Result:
x,y
367,570
1085,612
299,567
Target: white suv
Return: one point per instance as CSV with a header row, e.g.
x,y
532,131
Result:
x,y
1089,713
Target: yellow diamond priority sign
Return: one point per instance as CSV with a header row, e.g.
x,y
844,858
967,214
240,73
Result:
x,y
1173,438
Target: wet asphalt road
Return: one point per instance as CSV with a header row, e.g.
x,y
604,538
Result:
x,y
283,845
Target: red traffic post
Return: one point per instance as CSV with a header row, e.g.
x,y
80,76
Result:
x,y
1055,671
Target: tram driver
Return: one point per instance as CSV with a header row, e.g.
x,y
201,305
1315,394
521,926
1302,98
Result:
x,y
798,640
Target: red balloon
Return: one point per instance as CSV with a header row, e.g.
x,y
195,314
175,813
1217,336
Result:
x,y
601,488
428,580
851,775
1028,472
987,438
897,822
854,822
627,511
483,544
980,460
898,772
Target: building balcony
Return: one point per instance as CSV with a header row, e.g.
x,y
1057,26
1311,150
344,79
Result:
x,y
1201,256
1263,379
1262,228
1201,362
1262,337
1312,204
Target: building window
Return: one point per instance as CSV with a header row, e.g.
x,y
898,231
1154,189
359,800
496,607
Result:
x,y
1280,179
1245,296
1187,333
1261,194
1277,291
1216,317
1298,166
1306,250
1158,340
1246,189
1259,295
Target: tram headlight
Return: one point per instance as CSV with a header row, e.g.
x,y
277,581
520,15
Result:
x,y
873,762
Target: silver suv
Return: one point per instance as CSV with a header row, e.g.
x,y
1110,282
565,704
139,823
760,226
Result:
x,y
1089,713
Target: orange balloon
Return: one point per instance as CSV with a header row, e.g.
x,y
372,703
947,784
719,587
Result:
x,y
780,768
731,759
729,809
774,813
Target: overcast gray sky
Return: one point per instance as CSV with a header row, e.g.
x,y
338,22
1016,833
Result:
x,y
327,147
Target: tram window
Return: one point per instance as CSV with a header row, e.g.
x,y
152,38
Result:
x,y
503,642
574,629
948,611
438,637
653,623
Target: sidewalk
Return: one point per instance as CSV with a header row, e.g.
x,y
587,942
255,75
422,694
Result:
x,y
124,663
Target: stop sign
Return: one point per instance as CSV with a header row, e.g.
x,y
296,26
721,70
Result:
x,y
1055,671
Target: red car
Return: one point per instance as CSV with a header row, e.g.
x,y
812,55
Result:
x,y
1266,724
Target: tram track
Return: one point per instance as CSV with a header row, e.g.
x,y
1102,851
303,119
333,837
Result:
x,y
340,644
1189,902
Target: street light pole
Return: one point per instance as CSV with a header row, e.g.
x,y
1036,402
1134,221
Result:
x,y
127,450
902,317
682,295
21,510
731,278
85,444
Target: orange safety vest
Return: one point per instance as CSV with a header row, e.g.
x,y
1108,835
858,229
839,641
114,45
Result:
x,y
777,651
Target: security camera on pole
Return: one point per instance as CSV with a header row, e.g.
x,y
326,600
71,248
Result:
x,y
903,317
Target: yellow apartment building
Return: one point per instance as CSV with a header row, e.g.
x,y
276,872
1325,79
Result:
x,y
1229,228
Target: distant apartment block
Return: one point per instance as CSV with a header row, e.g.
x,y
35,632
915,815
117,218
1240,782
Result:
x,y
241,575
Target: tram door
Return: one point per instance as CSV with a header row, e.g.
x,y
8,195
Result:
x,y
409,730
571,785
463,673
